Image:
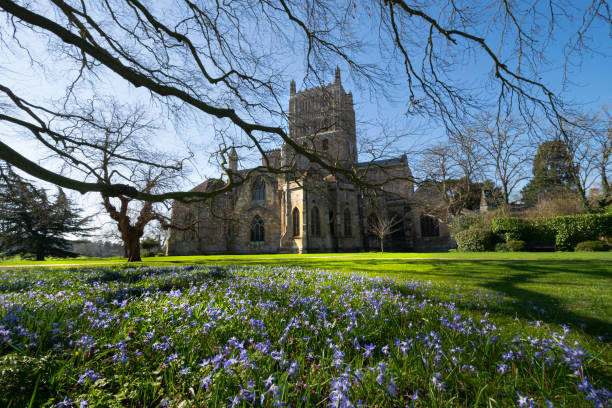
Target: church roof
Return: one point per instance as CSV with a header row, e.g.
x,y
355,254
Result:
x,y
209,185
381,162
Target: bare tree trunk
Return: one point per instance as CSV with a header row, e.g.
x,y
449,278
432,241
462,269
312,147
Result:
x,y
382,245
132,243
605,185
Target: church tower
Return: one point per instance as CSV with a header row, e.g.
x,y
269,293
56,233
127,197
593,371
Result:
x,y
322,119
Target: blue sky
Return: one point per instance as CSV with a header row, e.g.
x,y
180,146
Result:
x,y
589,89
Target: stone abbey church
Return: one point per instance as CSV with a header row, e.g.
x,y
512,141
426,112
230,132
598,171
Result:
x,y
309,210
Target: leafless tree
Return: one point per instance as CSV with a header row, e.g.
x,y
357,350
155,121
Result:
x,y
469,156
382,226
505,144
223,62
438,172
587,146
603,143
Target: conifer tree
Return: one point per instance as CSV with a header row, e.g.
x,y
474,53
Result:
x,y
34,225
552,172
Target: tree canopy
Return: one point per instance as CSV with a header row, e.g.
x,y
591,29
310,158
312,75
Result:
x,y
33,225
553,172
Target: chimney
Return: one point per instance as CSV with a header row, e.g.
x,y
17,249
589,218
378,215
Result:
x,y
292,88
337,76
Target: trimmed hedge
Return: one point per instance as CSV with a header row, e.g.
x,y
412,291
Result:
x,y
572,229
566,231
474,240
591,246
521,229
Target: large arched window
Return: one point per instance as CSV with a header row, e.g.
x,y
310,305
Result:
x,y
257,229
315,222
397,229
430,227
348,230
259,190
296,222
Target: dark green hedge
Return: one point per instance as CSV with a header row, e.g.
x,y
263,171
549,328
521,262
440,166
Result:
x,y
474,240
521,229
571,229
566,231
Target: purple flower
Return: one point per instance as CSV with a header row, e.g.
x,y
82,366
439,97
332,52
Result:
x,y
89,375
436,380
67,402
234,402
368,349
206,381
524,401
269,381
293,369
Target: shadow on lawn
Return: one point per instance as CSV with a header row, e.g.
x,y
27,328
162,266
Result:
x,y
504,276
555,312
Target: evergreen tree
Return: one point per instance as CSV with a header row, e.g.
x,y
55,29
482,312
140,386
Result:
x,y
553,172
32,224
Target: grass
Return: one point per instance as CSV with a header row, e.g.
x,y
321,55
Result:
x,y
518,291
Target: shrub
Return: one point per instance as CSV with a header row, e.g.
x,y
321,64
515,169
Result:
x,y
148,254
474,240
464,222
501,247
511,246
149,243
591,246
516,245
512,227
521,229
571,229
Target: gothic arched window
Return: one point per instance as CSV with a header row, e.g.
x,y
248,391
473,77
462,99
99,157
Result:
x,y
347,223
315,222
296,222
430,227
258,193
257,229
397,230
332,223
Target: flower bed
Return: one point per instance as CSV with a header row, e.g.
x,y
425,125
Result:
x,y
276,336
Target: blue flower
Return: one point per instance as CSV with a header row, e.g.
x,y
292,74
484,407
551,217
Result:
x,y
206,381
368,349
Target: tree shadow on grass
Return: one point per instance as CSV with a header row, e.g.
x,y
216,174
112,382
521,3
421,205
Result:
x,y
511,277
504,276
554,311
